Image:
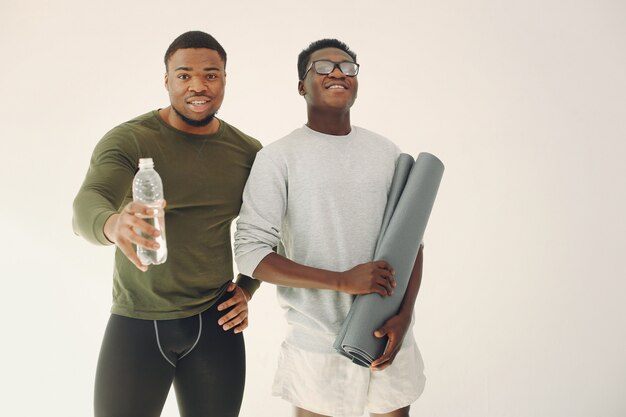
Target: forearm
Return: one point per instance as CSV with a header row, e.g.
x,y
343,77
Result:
x,y
410,295
105,187
91,214
281,271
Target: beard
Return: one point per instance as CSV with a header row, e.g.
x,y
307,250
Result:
x,y
195,123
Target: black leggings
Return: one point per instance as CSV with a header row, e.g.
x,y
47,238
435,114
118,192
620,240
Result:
x,y
139,359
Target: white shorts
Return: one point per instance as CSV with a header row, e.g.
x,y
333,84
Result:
x,y
330,384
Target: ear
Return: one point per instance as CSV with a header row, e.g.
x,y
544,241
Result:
x,y
165,82
301,90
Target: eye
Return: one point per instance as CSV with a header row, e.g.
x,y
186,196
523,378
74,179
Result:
x,y
182,76
211,76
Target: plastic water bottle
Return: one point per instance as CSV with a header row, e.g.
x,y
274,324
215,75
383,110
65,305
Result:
x,y
148,190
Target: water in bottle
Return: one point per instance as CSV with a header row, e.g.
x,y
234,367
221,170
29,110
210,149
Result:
x,y
148,190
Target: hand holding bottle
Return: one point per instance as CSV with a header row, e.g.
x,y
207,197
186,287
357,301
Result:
x,y
129,227
142,222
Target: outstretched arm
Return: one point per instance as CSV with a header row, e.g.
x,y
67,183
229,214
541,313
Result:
x,y
395,327
103,213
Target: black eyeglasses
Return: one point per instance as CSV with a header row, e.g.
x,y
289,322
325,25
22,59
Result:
x,y
325,67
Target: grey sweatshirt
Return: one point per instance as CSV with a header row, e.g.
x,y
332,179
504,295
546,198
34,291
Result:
x,y
320,199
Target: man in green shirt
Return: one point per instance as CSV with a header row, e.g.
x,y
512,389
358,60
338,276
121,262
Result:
x,y
179,322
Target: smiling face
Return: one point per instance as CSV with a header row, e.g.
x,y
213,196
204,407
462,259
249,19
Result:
x,y
195,81
332,92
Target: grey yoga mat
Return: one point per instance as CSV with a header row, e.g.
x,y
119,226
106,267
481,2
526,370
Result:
x,y
411,198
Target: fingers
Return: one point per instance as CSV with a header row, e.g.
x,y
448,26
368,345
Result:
x,y
230,315
391,350
370,277
378,362
129,227
385,285
384,265
234,317
382,359
386,271
131,254
235,299
381,332
142,210
134,216
131,235
383,362
394,329
245,293
242,326
384,282
132,226
379,288
237,317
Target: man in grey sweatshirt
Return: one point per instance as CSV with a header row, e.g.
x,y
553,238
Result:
x,y
318,195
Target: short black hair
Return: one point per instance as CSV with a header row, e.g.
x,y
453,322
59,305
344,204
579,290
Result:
x,y
195,39
305,55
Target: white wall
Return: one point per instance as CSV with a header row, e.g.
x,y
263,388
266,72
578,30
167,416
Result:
x,y
521,310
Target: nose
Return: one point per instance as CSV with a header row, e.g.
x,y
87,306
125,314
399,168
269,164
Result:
x,y
336,72
197,85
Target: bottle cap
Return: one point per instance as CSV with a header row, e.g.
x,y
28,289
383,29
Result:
x,y
145,163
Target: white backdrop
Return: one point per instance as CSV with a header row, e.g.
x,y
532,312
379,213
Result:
x,y
521,311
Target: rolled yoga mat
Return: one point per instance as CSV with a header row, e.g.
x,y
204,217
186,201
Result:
x,y
404,164
410,202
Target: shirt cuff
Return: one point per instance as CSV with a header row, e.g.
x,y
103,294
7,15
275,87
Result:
x,y
248,283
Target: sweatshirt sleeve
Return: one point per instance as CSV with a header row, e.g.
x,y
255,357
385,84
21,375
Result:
x,y
248,283
262,212
105,187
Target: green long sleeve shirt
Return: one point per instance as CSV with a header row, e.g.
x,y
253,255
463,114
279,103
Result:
x,y
203,180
